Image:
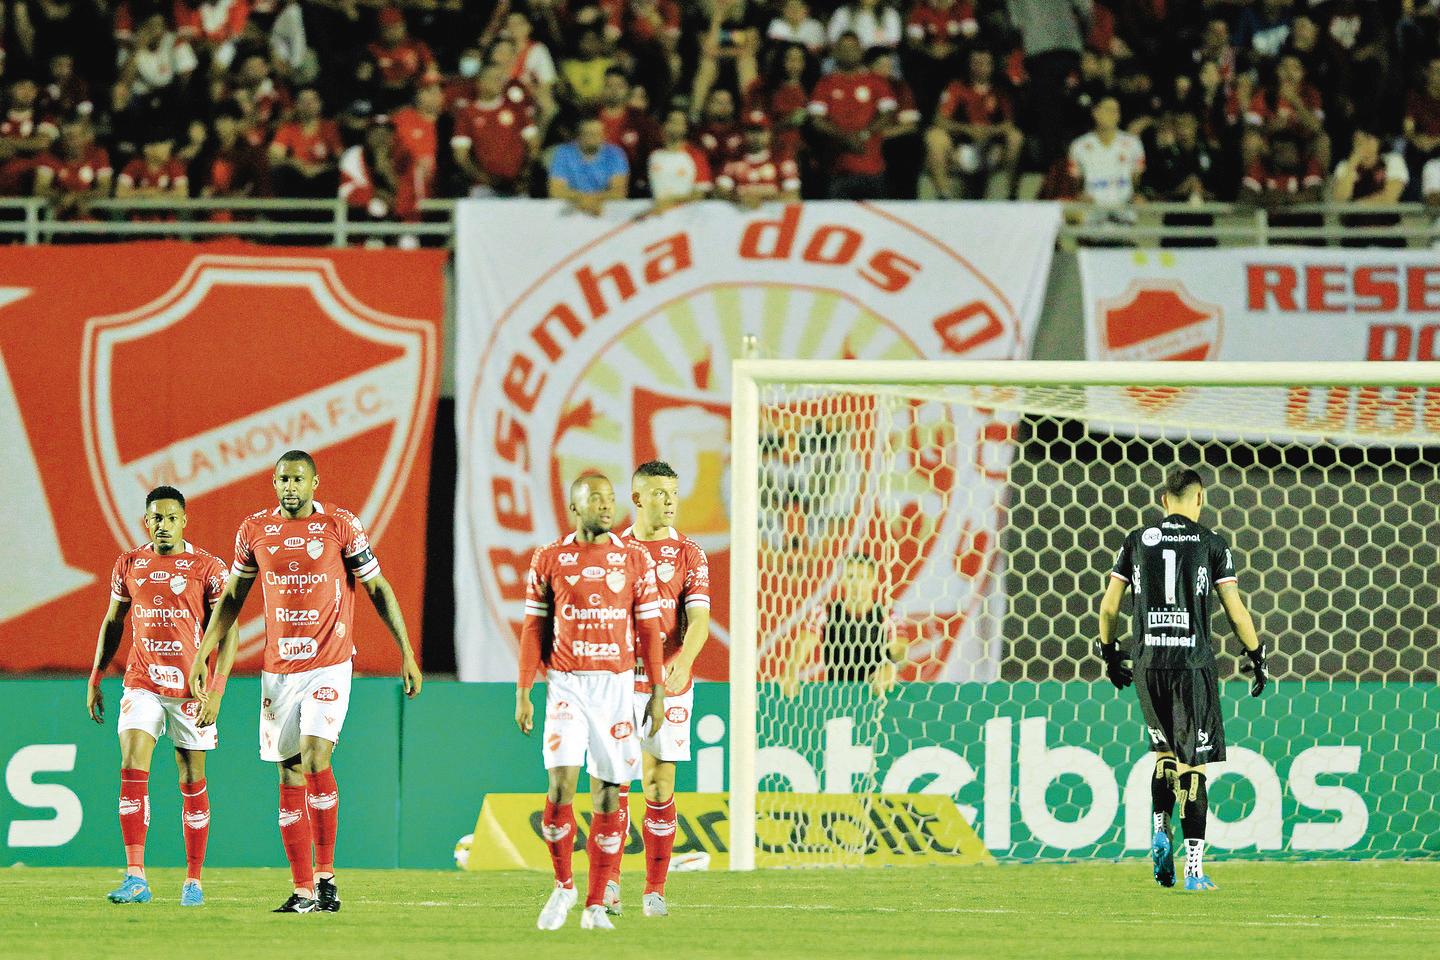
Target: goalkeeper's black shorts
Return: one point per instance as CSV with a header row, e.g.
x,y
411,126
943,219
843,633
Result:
x,y
1182,713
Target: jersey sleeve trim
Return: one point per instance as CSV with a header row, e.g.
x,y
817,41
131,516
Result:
x,y
1120,576
698,600
1227,580
242,571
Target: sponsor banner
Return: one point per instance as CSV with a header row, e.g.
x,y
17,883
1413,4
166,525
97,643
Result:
x,y
1038,771
601,343
1270,303
794,829
58,791
130,366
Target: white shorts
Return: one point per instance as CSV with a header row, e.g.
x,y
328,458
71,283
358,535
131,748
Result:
x,y
311,703
154,714
592,715
672,741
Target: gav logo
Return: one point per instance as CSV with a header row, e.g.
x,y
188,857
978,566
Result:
x,y
376,377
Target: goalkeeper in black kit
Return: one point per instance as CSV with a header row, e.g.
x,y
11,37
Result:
x,y
1174,568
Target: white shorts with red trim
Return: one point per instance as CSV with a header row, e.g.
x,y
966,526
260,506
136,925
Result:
x,y
310,703
590,719
672,741
155,715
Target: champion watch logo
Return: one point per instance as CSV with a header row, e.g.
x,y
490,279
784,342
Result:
x,y
361,402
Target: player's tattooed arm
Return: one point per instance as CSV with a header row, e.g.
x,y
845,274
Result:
x,y
223,618
382,595
111,629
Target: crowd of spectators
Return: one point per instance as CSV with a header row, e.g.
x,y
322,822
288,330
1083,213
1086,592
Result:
x,y
1113,102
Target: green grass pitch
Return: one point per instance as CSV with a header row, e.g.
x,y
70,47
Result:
x,y
1262,910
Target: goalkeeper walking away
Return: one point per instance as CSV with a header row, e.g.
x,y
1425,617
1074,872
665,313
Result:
x,y
1174,568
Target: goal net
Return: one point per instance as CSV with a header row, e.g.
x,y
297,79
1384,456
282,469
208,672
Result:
x,y
918,554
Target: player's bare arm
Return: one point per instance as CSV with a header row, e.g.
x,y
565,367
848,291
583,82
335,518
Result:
x,y
224,662
223,619
382,595
112,627
1244,627
1119,674
697,632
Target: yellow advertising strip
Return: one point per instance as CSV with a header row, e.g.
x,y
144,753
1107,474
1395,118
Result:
x,y
793,830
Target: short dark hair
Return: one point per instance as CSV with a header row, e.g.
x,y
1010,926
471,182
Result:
x,y
1179,480
164,493
656,468
297,456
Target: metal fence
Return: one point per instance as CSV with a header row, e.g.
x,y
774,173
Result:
x,y
330,222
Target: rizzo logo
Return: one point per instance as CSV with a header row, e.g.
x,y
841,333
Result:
x,y
361,404
557,373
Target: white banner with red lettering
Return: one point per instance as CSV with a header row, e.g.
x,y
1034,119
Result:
x,y
1262,303
587,343
1274,303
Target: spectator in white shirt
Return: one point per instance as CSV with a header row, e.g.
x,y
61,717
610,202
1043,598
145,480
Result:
x,y
874,23
795,25
1107,162
679,171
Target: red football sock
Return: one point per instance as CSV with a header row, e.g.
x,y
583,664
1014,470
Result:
x,y
195,822
624,828
295,835
604,847
558,828
323,798
659,841
134,817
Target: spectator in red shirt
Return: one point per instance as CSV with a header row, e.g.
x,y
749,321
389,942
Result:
x,y
370,177
1290,108
784,95
1285,178
65,93
24,135
154,175
304,152
398,63
758,176
934,32
76,174
853,108
718,132
974,132
227,165
496,138
417,141
628,127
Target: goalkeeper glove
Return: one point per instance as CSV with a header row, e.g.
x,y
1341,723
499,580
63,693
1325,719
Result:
x,y
1115,668
1256,666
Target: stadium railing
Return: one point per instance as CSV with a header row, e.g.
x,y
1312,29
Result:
x,y
328,222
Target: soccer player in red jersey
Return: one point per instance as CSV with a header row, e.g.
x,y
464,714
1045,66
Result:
x,y
682,580
169,589
308,556
590,599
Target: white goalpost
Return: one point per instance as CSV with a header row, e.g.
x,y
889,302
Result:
x,y
971,512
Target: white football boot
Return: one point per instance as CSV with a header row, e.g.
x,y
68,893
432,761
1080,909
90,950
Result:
x,y
557,908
